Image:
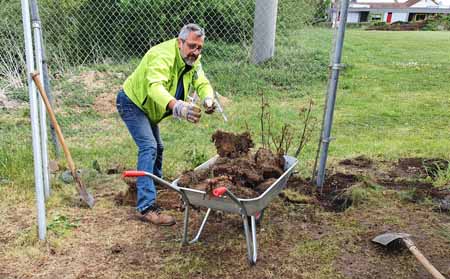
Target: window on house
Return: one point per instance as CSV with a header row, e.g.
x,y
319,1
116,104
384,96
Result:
x,y
375,17
420,17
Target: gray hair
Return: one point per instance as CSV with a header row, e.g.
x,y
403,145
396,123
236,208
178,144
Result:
x,y
191,27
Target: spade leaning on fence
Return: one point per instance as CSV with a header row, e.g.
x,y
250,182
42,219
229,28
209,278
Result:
x,y
84,195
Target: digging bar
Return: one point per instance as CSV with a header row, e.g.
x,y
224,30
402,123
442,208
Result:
x,y
219,106
84,195
388,238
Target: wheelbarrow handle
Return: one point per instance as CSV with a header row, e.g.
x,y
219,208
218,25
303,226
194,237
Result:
x,y
136,173
218,192
133,173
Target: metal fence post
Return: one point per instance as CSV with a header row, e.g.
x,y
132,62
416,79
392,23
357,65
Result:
x,y
36,24
44,74
331,93
40,200
264,30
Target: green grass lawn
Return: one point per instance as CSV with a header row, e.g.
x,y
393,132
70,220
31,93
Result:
x,y
394,96
392,102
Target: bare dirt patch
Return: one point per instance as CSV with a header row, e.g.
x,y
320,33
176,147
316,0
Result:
x,y
105,103
8,103
301,236
407,174
91,80
167,199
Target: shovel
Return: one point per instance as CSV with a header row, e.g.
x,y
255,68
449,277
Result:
x,y
84,195
390,238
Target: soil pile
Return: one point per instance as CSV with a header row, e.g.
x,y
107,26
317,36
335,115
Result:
x,y
245,174
351,180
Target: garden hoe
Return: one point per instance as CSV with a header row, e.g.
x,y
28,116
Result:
x,y
84,195
390,238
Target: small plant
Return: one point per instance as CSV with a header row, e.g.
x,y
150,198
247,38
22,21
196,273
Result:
x,y
282,141
196,157
442,178
61,225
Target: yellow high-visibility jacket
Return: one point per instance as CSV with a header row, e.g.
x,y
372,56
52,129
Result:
x,y
154,82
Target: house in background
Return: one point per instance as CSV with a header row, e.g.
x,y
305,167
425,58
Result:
x,y
392,10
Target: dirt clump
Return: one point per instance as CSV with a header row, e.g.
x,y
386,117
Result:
x,y
413,176
245,174
419,167
230,145
360,161
129,197
333,196
166,199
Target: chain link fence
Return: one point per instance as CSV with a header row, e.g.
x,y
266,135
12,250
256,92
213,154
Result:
x,y
114,31
93,45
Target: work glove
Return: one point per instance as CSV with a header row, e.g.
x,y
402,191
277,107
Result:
x,y
209,105
187,111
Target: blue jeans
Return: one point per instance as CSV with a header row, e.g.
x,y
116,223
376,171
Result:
x,y
150,153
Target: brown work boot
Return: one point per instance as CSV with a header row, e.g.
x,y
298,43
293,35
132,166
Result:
x,y
154,216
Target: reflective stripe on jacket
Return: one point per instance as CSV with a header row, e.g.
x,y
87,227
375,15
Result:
x,y
154,82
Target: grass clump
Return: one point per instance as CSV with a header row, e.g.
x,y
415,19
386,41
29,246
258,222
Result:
x,y
319,255
442,178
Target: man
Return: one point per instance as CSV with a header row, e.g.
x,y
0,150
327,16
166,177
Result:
x,y
156,89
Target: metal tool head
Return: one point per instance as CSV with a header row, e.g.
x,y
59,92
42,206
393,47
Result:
x,y
219,106
387,238
85,196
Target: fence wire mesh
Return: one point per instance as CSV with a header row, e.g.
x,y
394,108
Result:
x,y
92,47
107,31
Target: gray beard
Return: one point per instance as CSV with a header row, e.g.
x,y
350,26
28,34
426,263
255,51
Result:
x,y
188,61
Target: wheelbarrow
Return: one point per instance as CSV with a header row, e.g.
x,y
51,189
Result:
x,y
224,200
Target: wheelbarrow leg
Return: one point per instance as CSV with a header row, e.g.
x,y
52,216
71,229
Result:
x,y
250,239
255,244
185,225
201,227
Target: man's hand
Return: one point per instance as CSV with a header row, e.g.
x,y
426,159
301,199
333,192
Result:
x,y
187,111
209,105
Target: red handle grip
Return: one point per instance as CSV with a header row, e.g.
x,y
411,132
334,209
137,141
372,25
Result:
x,y
133,173
218,192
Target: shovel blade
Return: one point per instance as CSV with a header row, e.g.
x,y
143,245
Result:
x,y
387,238
84,195
87,198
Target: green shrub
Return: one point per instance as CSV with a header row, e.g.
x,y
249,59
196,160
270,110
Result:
x,y
122,29
294,14
438,22
92,31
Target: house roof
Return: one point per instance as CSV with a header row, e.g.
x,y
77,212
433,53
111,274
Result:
x,y
387,5
407,6
394,5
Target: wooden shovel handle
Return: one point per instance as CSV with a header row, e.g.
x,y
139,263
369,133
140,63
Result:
x,y
37,81
85,196
421,258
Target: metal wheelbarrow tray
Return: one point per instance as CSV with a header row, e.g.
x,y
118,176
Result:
x,y
224,200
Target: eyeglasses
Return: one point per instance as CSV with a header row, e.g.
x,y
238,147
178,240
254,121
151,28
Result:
x,y
193,46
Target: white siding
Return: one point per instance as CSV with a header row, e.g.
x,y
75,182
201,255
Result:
x,y
353,17
397,17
